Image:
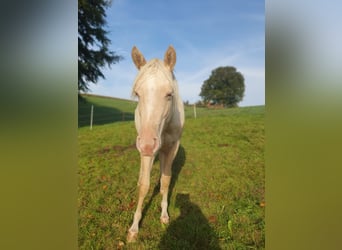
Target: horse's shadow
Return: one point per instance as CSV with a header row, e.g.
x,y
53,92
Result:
x,y
191,230
177,166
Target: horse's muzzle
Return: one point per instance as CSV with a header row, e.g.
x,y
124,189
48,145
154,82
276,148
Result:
x,y
147,146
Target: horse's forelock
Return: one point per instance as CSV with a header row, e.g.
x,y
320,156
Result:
x,y
154,68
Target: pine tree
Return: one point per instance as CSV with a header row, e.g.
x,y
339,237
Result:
x,y
93,51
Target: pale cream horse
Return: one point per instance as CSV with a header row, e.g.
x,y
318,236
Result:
x,y
159,119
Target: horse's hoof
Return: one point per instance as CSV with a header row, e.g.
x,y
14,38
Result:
x,y
132,236
164,219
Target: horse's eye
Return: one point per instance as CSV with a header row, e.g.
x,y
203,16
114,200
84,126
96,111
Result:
x,y
136,94
169,95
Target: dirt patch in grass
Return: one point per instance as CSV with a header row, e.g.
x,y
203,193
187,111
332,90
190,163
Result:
x,y
116,149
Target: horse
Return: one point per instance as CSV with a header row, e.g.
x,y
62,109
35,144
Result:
x,y
159,121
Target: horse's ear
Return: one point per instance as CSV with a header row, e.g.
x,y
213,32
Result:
x,y
138,58
170,57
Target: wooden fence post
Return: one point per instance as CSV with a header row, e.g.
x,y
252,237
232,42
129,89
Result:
x,y
91,116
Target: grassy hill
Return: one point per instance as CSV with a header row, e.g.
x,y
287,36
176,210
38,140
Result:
x,y
110,109
217,191
106,110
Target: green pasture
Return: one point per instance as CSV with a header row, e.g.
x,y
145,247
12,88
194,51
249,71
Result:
x,y
105,110
217,194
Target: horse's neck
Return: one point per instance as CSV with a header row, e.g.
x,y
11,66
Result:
x,y
177,109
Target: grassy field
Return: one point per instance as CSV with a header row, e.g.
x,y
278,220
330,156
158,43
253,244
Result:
x,y
217,191
106,110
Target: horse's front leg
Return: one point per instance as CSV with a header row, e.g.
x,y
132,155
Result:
x,y
144,184
166,158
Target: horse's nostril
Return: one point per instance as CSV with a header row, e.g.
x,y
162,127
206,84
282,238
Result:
x,y
138,143
156,144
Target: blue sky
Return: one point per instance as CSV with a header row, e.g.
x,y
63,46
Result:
x,y
205,33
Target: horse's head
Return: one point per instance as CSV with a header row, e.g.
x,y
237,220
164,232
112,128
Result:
x,y
156,90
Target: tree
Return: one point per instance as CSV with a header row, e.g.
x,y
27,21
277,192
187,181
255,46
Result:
x,y
93,52
225,86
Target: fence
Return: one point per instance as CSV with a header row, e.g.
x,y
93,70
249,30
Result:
x,y
98,116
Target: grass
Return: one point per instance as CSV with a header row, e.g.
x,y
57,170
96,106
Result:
x,y
217,192
105,110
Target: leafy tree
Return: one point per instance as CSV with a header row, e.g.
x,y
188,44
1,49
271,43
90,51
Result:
x,y
225,86
93,52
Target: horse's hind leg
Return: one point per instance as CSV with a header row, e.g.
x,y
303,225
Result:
x,y
166,159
